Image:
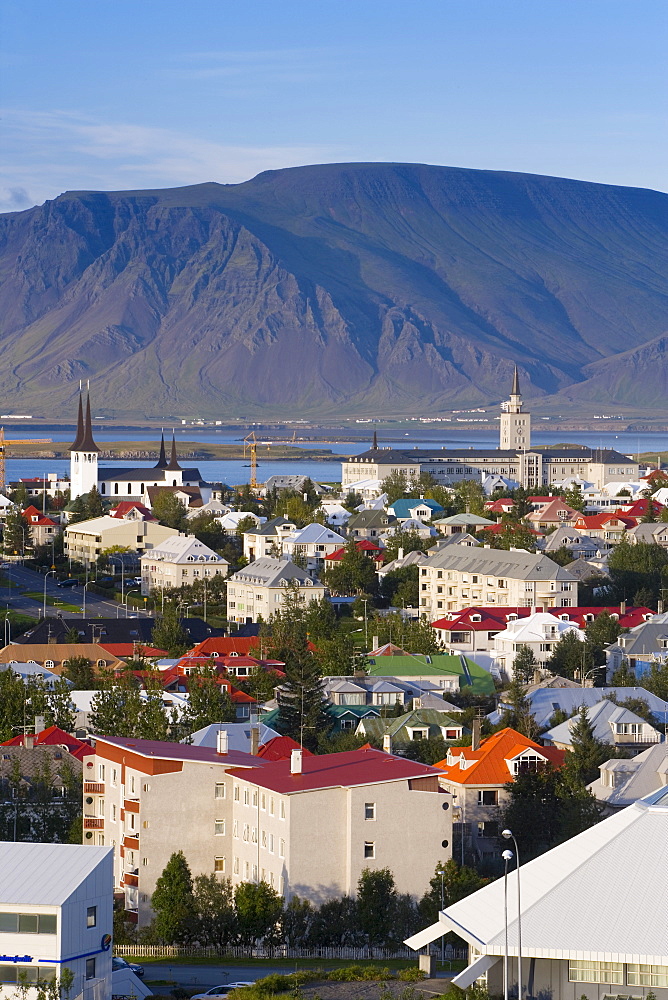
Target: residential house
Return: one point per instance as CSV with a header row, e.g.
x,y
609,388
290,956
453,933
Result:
x,y
179,561
576,942
266,540
645,644
373,552
463,523
613,724
312,543
413,558
292,482
477,777
447,673
132,510
258,590
540,632
307,826
419,724
56,903
649,533
335,513
43,530
85,541
40,790
455,577
54,655
611,526
546,701
580,545
371,524
621,782
420,510
552,514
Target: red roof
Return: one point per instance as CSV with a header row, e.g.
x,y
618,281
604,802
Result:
x,y
125,506
122,649
280,748
362,546
490,765
501,528
640,507
497,617
53,736
36,517
337,770
501,506
603,520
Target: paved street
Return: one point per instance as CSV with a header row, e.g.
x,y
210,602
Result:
x,y
11,598
206,976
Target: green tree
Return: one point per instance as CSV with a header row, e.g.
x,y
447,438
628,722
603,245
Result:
x,y
169,510
400,586
414,636
570,657
638,571
457,882
354,573
59,708
296,922
587,751
247,523
518,715
173,902
208,700
603,631
259,909
407,541
470,497
153,723
376,900
94,505
656,679
216,915
515,535
168,632
396,486
16,534
524,664
116,707
79,670
624,675
574,498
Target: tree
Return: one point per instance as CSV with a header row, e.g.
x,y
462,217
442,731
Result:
x,y
656,679
216,916
570,656
247,523
335,924
624,675
524,664
400,586
518,714
59,708
169,510
587,751
259,908
116,707
515,535
407,541
376,900
173,903
79,670
208,530
354,573
638,571
153,723
396,486
208,700
470,497
94,505
414,636
296,922
574,498
456,883
168,633
603,631
15,531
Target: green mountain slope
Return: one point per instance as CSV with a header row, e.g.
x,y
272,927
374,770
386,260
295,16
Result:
x,y
367,288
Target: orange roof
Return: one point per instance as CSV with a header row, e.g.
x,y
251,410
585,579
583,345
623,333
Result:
x,y
489,765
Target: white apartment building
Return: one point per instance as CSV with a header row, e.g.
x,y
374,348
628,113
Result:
x,y
456,577
179,561
267,539
540,632
313,543
259,589
86,540
307,826
56,904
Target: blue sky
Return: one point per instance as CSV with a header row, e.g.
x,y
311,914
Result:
x,y
139,93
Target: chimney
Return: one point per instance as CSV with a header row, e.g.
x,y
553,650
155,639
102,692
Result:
x,y
622,608
475,740
387,743
255,740
659,607
400,553
222,741
296,762
536,675
29,741
376,644
39,724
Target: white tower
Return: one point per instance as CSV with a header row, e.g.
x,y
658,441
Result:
x,y
515,425
83,455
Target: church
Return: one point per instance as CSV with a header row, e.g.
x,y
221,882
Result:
x,y
123,483
514,459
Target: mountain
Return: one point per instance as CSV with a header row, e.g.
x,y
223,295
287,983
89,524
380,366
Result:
x,y
373,288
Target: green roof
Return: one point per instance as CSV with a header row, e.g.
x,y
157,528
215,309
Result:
x,y
398,727
469,673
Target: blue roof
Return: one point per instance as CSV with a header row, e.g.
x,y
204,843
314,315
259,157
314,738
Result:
x,y
402,508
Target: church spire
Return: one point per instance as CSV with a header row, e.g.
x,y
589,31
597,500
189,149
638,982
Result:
x,y
173,462
162,458
515,391
87,443
375,441
80,427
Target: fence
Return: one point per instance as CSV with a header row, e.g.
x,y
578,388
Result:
x,y
280,951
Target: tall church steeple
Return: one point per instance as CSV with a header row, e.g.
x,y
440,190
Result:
x,y
515,426
174,462
83,454
162,458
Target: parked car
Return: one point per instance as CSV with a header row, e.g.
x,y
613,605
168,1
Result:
x,y
120,963
220,991
68,583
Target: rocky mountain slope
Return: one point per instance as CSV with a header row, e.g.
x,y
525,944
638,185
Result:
x,y
349,288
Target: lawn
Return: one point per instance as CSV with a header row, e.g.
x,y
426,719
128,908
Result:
x,y
53,602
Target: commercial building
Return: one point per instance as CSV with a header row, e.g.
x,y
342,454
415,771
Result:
x,y
85,541
56,913
308,826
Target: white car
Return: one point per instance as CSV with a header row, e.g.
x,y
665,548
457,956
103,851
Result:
x,y
220,991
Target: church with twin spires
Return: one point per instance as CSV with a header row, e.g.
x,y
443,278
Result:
x,y
115,483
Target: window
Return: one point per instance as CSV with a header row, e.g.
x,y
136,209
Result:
x,y
219,864
369,849
220,790
91,916
281,848
31,974
114,776
100,771
488,830
246,832
235,828
488,797
90,968
28,923
585,971
236,793
647,975
246,796
369,810
219,828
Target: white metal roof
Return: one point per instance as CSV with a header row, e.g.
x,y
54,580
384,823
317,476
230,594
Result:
x,y
46,874
599,896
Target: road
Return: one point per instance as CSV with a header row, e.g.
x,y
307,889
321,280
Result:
x,y
206,976
29,580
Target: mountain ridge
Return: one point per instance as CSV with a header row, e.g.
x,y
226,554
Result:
x,y
339,288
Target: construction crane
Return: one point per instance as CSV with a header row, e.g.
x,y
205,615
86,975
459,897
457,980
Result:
x,y
6,441
250,442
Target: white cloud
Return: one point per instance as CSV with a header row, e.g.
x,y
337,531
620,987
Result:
x,y
46,153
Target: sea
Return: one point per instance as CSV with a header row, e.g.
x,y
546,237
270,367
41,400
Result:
x,y
237,472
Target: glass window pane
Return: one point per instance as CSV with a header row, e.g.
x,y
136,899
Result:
x,y
47,973
27,923
48,923
9,922
7,973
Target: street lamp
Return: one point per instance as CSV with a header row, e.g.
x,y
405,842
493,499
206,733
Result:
x,y
127,595
441,872
509,835
507,856
46,576
8,629
84,598
111,559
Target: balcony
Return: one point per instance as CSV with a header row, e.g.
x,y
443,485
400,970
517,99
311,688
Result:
x,y
131,880
130,842
93,823
93,788
131,805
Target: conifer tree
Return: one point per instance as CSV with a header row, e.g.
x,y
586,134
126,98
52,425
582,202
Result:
x,y
518,713
173,902
524,664
168,633
587,751
208,701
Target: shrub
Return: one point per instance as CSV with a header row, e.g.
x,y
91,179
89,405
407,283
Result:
x,y
411,975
